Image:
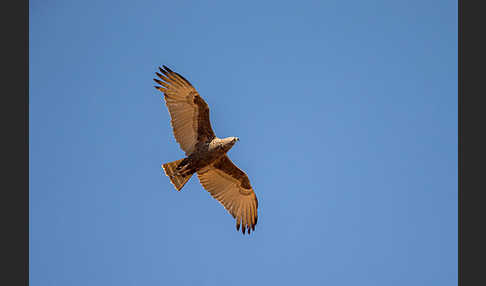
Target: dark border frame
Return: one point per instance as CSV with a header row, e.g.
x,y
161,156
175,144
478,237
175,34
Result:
x,y
14,211
471,143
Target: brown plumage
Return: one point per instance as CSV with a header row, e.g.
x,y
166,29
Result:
x,y
205,153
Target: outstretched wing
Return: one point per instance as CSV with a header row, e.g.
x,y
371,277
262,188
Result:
x,y
231,187
188,111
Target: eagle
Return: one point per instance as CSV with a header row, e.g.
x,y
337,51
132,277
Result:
x,y
206,154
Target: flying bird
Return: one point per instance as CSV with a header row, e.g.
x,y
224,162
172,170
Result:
x,y
205,153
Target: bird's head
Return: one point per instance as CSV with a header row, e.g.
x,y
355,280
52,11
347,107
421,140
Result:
x,y
228,142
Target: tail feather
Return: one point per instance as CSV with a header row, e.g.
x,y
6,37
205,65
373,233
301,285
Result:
x,y
176,179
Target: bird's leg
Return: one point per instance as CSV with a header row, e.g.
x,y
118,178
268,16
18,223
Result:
x,y
184,168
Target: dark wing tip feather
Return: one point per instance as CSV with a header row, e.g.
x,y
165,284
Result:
x,y
166,72
159,75
166,68
163,71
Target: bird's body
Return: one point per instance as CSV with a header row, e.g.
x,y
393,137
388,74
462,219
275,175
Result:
x,y
205,153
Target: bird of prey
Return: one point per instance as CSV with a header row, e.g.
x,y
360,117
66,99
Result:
x,y
205,153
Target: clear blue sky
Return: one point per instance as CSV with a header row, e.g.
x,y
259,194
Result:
x,y
347,115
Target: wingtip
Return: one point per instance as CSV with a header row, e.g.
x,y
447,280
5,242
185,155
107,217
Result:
x,y
159,88
165,67
163,71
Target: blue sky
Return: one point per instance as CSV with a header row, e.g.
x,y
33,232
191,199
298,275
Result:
x,y
347,115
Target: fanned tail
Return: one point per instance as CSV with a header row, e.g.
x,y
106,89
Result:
x,y
176,178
